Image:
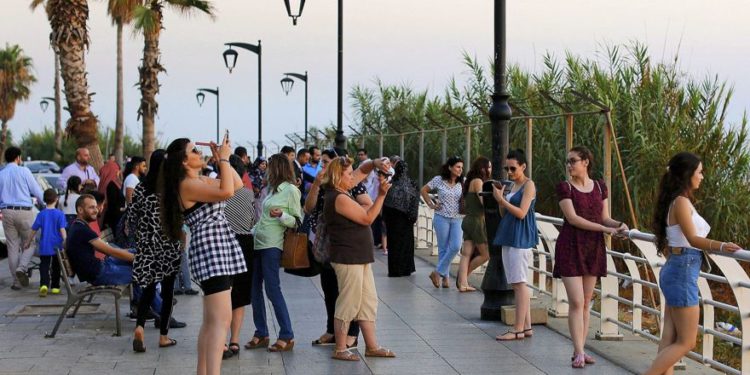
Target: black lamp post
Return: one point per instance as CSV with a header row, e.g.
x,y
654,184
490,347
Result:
x,y
497,292
287,84
340,139
201,97
230,60
295,6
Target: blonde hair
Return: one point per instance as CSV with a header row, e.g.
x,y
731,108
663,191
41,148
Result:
x,y
335,170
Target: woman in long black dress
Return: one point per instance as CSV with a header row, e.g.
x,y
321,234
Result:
x,y
400,213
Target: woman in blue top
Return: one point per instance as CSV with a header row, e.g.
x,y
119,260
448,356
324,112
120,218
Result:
x,y
517,234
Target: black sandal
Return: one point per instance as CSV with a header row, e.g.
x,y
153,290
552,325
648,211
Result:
x,y
516,336
233,349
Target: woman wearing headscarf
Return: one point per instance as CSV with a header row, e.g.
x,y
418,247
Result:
x,y
110,186
400,211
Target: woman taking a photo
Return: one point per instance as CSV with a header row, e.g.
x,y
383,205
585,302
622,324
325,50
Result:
x,y
400,211
580,254
517,234
352,256
473,226
157,258
447,220
280,210
215,255
681,237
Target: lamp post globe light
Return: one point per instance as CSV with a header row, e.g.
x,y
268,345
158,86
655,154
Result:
x,y
44,104
287,84
340,139
230,60
497,292
294,9
201,97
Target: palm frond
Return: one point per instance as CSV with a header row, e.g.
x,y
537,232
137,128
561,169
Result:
x,y
188,7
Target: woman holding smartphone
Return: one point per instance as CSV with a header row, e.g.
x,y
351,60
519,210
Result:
x,y
681,236
215,256
580,254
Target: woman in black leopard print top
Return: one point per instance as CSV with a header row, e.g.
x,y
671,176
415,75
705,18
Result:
x,y
157,258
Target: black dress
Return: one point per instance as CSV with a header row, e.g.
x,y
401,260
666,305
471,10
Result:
x,y
400,243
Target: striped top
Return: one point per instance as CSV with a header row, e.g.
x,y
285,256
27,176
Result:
x,y
239,211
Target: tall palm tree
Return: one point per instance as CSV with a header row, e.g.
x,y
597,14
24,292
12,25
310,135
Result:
x,y
15,81
121,12
148,19
70,38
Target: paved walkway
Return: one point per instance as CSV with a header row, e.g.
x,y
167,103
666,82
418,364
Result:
x,y
433,331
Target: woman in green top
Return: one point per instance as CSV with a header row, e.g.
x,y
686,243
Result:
x,y
281,210
475,233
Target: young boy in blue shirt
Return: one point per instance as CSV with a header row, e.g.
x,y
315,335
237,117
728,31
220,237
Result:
x,y
51,222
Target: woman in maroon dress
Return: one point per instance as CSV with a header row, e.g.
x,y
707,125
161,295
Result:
x,y
580,255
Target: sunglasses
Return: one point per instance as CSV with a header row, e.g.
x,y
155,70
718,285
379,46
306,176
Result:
x,y
572,161
510,169
196,150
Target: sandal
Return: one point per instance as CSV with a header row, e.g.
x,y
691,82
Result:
x,y
435,278
528,332
321,341
138,346
233,349
516,336
380,352
465,289
446,284
172,342
354,344
345,355
588,359
257,342
288,346
579,361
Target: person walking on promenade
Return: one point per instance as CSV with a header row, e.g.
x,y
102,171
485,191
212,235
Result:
x,y
280,210
17,186
447,219
215,255
314,215
473,227
157,257
400,211
50,222
242,225
580,254
351,257
72,192
681,235
517,234
80,168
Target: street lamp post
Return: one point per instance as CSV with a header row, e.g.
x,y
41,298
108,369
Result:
x,y
340,139
287,84
200,96
231,54
497,292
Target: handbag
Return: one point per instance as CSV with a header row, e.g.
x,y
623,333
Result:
x,y
294,255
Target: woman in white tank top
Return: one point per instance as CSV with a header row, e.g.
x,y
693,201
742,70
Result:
x,y
681,235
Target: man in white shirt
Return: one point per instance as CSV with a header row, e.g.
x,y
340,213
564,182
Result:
x,y
80,168
134,170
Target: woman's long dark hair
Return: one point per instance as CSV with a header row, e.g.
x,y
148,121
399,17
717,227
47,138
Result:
x,y
480,169
585,154
675,182
152,177
74,184
171,174
445,169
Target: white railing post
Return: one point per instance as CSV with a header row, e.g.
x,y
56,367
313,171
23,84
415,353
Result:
x,y
608,330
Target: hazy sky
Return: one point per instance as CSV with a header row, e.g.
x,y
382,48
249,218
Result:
x,y
416,41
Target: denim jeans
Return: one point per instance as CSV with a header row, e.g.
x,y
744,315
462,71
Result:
x,y
115,272
266,268
182,281
450,237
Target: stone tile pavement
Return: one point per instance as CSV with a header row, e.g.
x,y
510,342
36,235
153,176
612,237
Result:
x,y
433,331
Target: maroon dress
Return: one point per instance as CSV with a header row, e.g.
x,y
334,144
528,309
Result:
x,y
581,252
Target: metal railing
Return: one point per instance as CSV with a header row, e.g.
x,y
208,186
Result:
x,y
639,273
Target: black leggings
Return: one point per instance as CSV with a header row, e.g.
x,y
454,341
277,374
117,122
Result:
x,y
44,274
330,286
167,294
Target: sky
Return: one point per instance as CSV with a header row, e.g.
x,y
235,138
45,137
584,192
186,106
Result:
x,y
417,42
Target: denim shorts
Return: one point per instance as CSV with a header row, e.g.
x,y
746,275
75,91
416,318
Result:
x,y
678,279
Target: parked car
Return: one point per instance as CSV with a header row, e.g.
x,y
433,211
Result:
x,y
42,166
49,180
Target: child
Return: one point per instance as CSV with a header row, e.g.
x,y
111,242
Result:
x,y
72,192
51,222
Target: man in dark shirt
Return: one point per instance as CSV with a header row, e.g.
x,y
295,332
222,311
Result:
x,y
82,244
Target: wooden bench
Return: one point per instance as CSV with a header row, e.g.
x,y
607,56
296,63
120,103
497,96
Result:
x,y
77,295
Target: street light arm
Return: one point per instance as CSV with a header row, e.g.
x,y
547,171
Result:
x,y
301,77
212,91
250,47
48,98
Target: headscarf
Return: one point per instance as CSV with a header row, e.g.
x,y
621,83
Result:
x,y
403,195
108,173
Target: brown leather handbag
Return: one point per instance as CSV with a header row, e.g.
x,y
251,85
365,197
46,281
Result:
x,y
294,255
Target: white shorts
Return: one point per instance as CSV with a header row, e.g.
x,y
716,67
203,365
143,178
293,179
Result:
x,y
516,264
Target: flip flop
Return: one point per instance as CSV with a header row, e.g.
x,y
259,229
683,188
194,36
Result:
x,y
172,342
330,341
380,352
345,355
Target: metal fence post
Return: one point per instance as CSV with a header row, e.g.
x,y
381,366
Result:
x,y
380,145
467,158
421,158
529,146
444,152
401,141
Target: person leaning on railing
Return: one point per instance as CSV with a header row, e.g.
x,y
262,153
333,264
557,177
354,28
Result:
x,y
681,236
580,254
